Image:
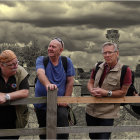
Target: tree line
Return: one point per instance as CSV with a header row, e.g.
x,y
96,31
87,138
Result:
x,y
27,54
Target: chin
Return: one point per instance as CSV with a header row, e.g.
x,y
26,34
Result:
x,y
108,62
50,54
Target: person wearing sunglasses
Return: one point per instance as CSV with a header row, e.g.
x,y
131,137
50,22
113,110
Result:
x,y
13,85
106,83
54,76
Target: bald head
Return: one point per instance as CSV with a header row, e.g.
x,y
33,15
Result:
x,y
60,41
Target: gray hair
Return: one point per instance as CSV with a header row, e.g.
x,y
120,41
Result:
x,y
116,48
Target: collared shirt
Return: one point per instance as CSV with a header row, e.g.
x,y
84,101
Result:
x,y
8,113
11,86
127,78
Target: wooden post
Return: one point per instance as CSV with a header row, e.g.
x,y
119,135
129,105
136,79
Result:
x,y
51,120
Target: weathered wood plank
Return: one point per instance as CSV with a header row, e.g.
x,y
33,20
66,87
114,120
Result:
x,y
98,129
75,85
89,99
51,114
29,100
22,132
73,129
85,99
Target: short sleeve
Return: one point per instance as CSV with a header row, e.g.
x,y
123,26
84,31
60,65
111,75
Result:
x,y
128,77
39,62
92,74
70,68
93,71
24,83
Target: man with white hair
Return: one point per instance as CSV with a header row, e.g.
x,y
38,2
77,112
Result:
x,y
106,83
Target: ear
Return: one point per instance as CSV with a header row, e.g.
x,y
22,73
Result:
x,y
117,53
61,50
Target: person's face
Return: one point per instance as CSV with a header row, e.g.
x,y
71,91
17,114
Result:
x,y
10,68
110,55
54,49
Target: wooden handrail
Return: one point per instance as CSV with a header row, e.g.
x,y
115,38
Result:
x,y
32,85
72,129
83,99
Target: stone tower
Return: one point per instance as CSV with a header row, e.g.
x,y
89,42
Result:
x,y
113,36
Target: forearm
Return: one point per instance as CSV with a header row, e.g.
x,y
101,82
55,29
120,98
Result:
x,y
69,86
99,92
118,93
90,85
14,95
69,90
122,92
44,80
115,93
19,94
42,77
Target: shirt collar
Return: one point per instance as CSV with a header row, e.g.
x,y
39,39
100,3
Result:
x,y
106,65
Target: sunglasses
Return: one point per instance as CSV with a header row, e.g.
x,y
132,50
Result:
x,y
60,40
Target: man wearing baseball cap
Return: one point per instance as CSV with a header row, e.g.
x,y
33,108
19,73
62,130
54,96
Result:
x,y
13,85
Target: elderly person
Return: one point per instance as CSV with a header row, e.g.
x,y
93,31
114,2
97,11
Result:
x,y
106,83
13,85
53,76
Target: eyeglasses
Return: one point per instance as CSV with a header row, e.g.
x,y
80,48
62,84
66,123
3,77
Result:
x,y
11,65
109,53
60,40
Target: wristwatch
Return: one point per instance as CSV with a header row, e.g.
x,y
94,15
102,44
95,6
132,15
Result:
x,y
7,97
109,93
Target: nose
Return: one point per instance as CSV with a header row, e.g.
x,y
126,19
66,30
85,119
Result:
x,y
107,54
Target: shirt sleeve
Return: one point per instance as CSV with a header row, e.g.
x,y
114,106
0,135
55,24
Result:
x,y
70,68
24,83
128,77
93,71
92,74
39,63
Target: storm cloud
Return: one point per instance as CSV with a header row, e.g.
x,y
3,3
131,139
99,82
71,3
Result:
x,y
81,24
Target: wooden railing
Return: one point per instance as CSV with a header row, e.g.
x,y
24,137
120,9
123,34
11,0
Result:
x,y
51,128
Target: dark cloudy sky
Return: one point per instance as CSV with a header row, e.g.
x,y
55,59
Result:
x,y
81,24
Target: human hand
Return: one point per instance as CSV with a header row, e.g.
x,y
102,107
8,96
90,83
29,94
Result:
x,y
2,98
94,92
51,87
135,94
99,92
